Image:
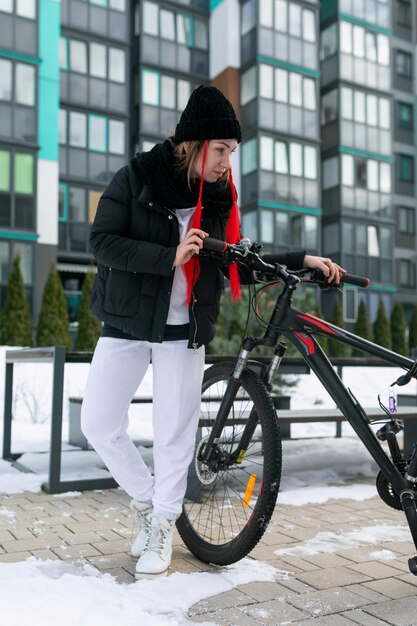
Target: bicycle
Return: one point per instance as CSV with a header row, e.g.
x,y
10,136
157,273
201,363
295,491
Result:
x,y
235,474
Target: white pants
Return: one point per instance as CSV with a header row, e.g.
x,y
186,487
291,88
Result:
x,y
117,368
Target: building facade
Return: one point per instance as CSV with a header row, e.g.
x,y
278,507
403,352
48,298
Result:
x,y
325,93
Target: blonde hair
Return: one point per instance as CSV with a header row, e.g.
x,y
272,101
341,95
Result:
x,y
187,154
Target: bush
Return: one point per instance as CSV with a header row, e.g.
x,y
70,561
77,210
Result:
x,y
412,333
335,347
399,329
53,322
362,326
89,326
382,329
16,322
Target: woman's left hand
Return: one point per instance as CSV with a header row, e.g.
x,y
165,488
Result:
x,y
331,270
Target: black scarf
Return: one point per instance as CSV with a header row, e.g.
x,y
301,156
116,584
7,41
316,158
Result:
x,y
170,186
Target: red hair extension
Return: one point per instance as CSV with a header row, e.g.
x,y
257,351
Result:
x,y
233,236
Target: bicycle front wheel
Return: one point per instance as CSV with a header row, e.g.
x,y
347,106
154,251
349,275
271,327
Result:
x,y
229,504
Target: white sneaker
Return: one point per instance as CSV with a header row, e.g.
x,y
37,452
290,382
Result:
x,y
142,514
156,555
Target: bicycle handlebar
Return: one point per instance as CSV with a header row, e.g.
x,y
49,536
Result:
x,y
234,252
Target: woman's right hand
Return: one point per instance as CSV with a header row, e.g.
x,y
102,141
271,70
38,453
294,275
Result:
x,y
189,246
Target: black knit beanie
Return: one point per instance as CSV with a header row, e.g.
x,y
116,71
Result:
x,y
208,115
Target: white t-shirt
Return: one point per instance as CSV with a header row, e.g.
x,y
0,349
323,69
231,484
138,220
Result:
x,y
178,312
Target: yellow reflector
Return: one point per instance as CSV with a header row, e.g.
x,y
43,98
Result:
x,y
249,490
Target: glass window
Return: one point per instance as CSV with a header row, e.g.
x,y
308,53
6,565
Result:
x,y
266,13
385,177
249,156
310,232
348,170
329,107
296,95
97,132
200,35
281,85
267,227
372,175
248,88
118,5
282,235
346,37
63,53
248,16
78,130
150,87
406,168
116,137
6,6
183,93
98,60
26,8
25,84
117,65
168,92
371,110
76,204
4,170
373,244
281,16
346,99
310,162
184,29
25,252
150,18
359,99
405,115
5,80
62,126
406,221
359,41
266,80
384,113
309,94
267,153
78,56
23,173
309,26
62,209
361,172
403,64
328,42
296,159
249,223
330,172
295,19
281,157
167,23
371,47
383,50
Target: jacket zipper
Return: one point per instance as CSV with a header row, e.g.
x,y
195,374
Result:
x,y
194,343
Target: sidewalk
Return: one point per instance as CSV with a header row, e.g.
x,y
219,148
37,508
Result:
x,y
350,586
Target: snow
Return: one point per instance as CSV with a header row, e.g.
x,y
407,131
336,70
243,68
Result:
x,y
100,599
316,467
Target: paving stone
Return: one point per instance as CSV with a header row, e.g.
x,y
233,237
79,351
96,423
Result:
x,y
112,561
45,555
300,564
72,552
392,587
225,600
375,569
327,602
401,612
328,620
357,616
121,575
220,619
74,539
14,557
273,612
367,593
327,559
332,577
5,535
112,547
264,591
29,544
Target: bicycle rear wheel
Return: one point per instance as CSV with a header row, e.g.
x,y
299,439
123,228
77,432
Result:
x,y
227,509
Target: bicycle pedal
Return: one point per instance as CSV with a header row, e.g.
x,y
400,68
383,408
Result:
x,y
412,564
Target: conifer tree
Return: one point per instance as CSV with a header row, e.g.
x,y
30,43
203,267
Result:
x,y
399,329
412,334
362,326
89,326
335,347
382,328
53,322
15,321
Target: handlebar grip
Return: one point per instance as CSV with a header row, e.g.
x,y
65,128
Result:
x,y
214,245
360,281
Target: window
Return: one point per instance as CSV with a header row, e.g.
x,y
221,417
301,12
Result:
x,y
97,133
248,90
118,5
116,137
406,168
98,60
403,64
330,172
26,8
405,116
5,80
328,42
77,129
63,53
407,273
248,16
4,170
403,12
6,6
348,170
24,82
150,87
17,189
117,65
406,220
329,108
350,300
249,163
150,18
78,56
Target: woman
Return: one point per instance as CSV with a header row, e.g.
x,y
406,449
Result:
x,y
159,301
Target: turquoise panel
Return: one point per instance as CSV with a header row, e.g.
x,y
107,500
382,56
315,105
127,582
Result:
x,y
327,10
286,207
214,4
49,32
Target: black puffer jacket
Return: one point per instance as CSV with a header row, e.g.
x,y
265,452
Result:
x,y
134,239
